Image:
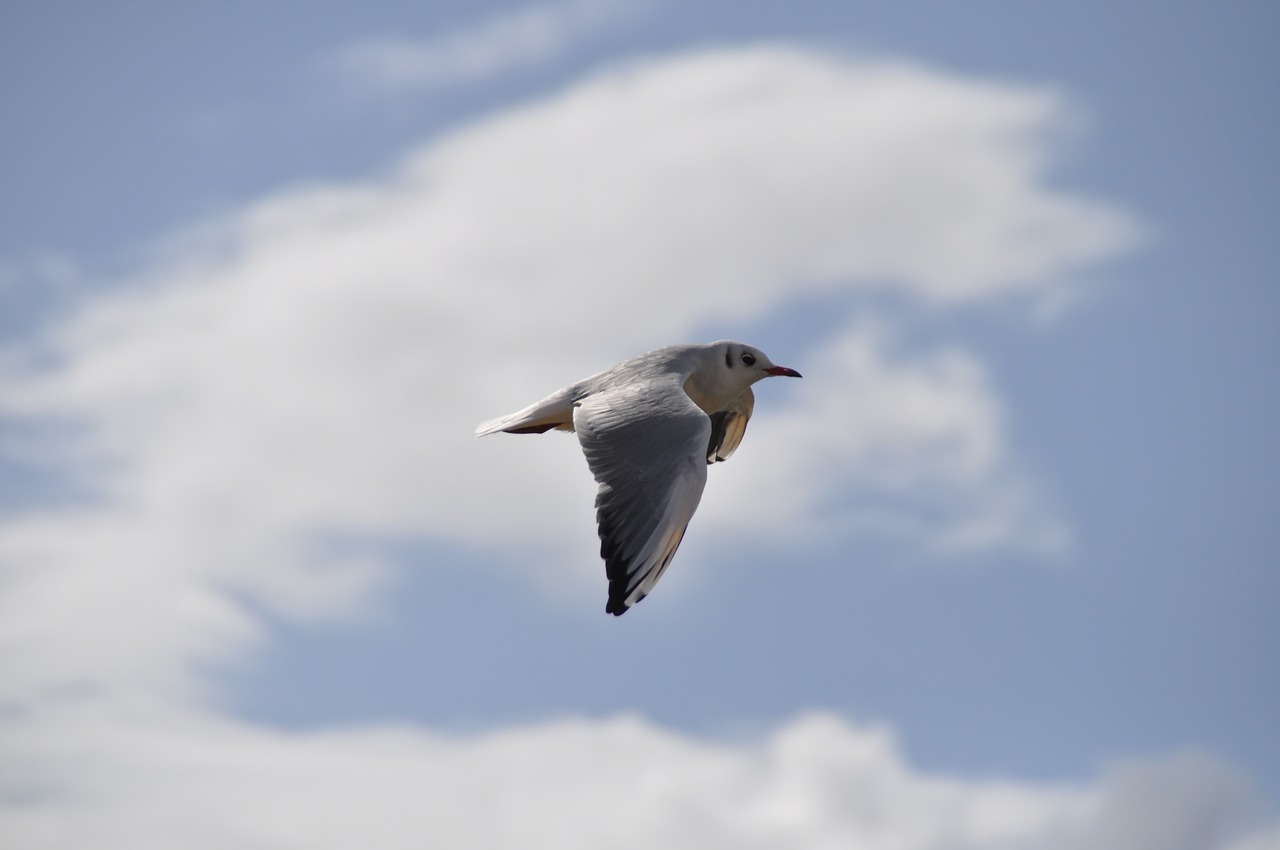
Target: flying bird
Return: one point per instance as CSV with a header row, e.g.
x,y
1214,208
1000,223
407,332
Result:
x,y
649,428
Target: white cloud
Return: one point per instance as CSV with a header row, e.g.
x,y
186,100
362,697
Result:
x,y
127,777
314,365
508,41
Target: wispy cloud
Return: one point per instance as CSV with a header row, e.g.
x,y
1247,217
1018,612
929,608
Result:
x,y
315,364
901,441
512,40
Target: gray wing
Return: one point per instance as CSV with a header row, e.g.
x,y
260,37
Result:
x,y
728,426
646,446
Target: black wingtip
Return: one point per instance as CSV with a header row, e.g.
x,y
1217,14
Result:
x,y
617,605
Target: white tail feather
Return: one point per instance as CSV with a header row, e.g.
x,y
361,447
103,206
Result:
x,y
554,411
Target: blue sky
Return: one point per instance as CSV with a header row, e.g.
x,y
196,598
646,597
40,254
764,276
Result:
x,y
1000,570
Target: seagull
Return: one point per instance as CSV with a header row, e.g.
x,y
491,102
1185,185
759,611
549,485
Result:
x,y
649,428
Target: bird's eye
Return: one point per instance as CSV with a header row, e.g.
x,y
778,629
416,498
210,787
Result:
x,y
748,359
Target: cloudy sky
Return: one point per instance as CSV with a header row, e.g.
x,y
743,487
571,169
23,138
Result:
x,y
1000,572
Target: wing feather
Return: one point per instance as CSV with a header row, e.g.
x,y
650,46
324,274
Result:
x,y
646,444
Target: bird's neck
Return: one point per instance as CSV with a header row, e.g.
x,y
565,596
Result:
x,y
710,395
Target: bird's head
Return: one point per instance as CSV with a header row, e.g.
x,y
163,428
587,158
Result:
x,y
743,362
725,369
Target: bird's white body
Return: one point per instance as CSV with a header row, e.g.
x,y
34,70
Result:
x,y
649,427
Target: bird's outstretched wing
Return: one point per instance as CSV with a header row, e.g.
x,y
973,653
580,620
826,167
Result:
x,y
728,426
646,444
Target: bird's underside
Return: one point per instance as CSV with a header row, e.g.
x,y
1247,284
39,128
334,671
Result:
x,y
649,428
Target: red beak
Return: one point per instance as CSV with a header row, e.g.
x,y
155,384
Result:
x,y
782,370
